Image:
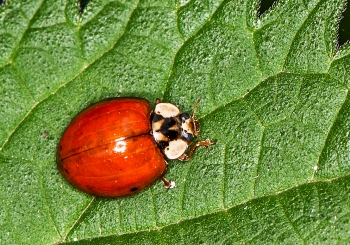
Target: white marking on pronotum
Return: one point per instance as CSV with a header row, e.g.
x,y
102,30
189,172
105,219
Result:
x,y
167,110
175,149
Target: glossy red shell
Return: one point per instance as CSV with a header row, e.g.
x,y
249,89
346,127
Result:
x,y
107,149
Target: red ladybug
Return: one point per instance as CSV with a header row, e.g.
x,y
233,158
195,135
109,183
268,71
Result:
x,y
116,147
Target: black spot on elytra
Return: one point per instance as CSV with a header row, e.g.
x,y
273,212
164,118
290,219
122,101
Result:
x,y
134,189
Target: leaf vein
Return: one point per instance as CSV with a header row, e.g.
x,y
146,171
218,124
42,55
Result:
x,y
75,223
289,220
64,84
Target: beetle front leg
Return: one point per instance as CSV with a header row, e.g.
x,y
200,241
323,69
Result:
x,y
205,143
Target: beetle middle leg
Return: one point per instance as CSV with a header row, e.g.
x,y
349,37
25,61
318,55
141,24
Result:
x,y
205,143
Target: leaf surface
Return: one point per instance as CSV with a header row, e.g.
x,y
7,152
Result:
x,y
274,93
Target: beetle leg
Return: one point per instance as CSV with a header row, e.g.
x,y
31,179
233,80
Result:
x,y
205,143
168,184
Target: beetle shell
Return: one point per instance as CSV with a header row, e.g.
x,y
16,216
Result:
x,y
107,149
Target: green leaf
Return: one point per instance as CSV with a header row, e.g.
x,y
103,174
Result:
x,y
274,93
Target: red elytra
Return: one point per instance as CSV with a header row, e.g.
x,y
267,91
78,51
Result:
x,y
107,150
116,147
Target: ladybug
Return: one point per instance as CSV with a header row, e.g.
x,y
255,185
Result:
x,y
116,147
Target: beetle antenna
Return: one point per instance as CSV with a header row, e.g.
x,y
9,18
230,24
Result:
x,y
195,108
194,120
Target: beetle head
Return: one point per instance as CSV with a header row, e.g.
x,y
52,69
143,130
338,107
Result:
x,y
190,125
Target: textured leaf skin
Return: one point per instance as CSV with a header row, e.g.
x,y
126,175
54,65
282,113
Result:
x,y
274,93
